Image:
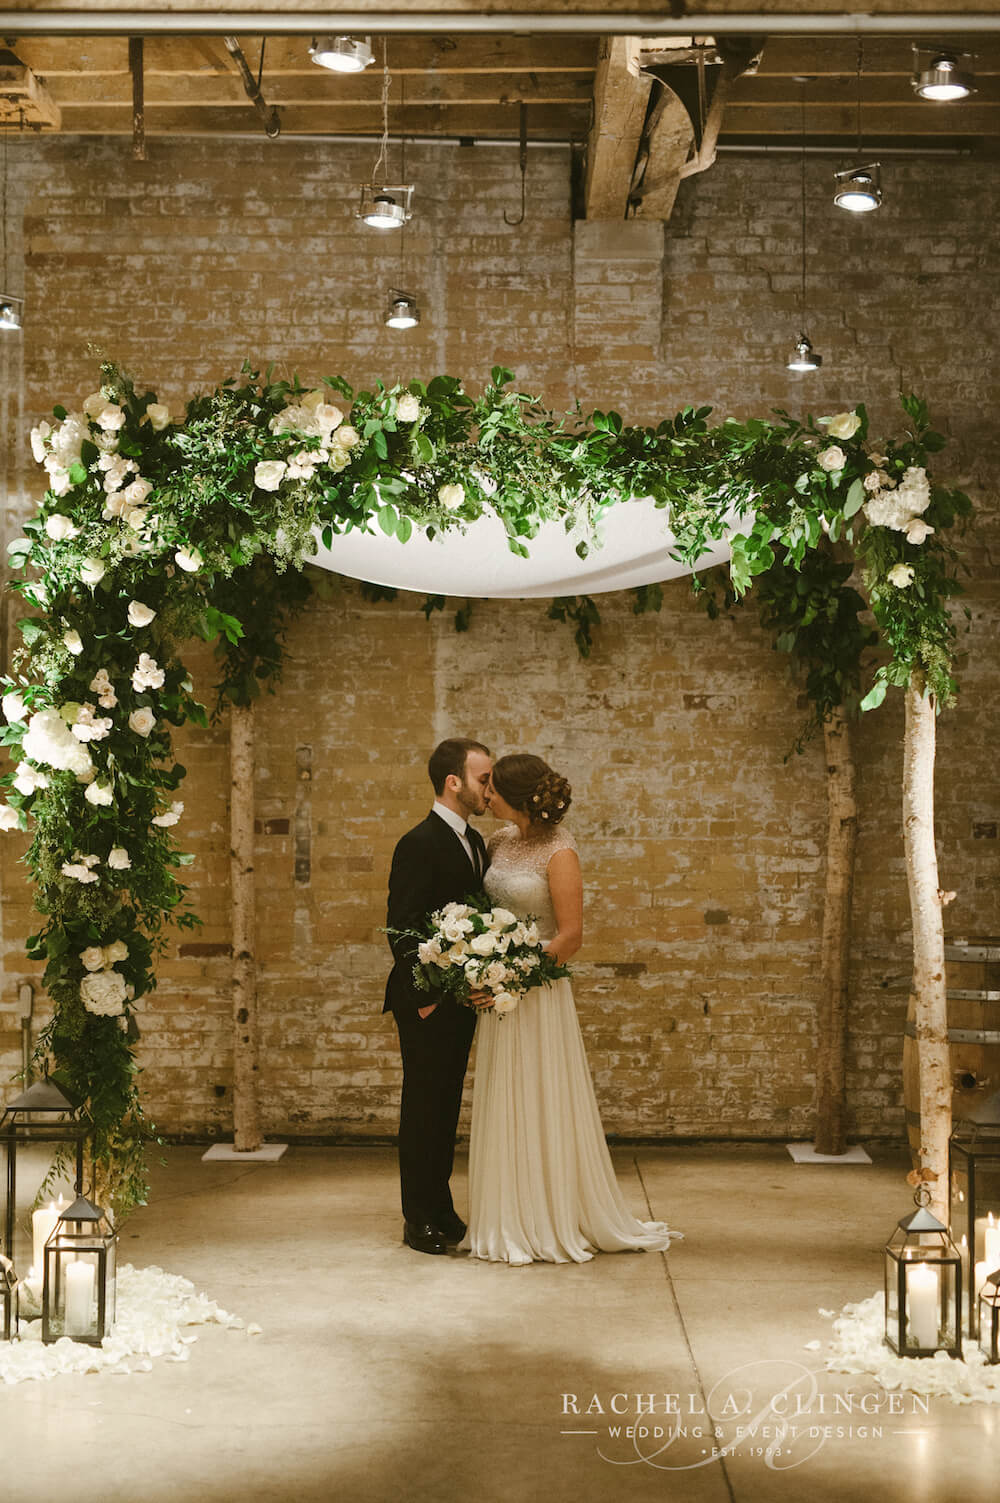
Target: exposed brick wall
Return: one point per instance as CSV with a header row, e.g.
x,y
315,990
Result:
x,y
702,849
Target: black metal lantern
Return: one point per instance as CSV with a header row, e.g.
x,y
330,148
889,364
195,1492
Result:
x,y
989,1317
39,1115
974,1187
78,1295
8,1299
923,1286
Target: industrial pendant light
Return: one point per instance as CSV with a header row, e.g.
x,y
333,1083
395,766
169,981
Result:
x,y
402,312
803,357
342,54
860,188
384,206
943,79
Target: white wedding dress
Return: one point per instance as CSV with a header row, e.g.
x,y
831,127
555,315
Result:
x,y
542,1187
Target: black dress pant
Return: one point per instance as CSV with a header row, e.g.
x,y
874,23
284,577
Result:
x,y
435,1052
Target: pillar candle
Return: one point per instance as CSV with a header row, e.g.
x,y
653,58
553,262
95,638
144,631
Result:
x,y
922,1305
79,1298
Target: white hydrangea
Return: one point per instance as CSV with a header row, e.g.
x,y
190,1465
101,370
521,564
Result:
x,y
67,440
50,741
147,674
104,993
14,708
915,488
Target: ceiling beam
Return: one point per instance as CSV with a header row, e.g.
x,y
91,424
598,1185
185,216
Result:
x,y
621,94
284,89
547,121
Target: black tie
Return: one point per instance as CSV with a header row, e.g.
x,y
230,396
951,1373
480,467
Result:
x,y
477,865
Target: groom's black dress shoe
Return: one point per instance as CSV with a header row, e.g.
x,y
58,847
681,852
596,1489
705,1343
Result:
x,y
423,1237
451,1226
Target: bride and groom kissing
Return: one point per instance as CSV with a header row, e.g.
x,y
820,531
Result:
x,y
541,1182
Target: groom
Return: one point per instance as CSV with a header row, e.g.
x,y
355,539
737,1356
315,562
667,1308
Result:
x,y
439,861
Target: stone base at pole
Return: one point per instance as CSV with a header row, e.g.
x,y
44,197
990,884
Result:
x,y
267,1153
805,1153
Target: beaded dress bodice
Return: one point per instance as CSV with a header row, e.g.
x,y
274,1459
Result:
x,y
518,874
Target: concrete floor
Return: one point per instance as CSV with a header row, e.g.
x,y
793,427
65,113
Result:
x,y
383,1374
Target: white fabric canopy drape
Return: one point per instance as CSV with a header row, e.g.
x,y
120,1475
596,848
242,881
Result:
x,y
636,548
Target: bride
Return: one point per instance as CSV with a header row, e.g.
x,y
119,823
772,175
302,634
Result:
x,y
541,1183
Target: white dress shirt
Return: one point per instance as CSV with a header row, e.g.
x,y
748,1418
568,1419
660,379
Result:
x,y
461,829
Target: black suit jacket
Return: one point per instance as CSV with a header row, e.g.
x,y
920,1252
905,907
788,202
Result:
x,y
429,868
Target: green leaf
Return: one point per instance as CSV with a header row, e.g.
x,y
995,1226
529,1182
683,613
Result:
x,y
379,444
855,499
387,520
876,694
424,448
404,529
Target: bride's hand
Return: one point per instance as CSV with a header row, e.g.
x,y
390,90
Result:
x,y
481,999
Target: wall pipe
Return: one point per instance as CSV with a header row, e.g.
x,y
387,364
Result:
x,y
19,23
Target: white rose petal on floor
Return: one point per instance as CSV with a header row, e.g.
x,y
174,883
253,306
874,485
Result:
x,y
153,1310
858,1346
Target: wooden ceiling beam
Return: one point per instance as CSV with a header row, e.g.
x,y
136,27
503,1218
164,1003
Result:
x,y
621,94
359,93
546,120
939,120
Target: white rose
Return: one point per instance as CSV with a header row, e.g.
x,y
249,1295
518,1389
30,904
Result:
x,y
38,437
111,417
531,934
917,530
139,614
900,575
483,944
158,416
347,437
73,642
408,408
496,973
14,708
171,817
117,950
504,1002
78,871
9,818
95,404
100,795
142,721
426,952
90,727
137,491
454,928
457,954
119,861
451,496
328,418
844,425
28,779
503,916
136,518
93,958
269,474
188,559
59,527
59,482
832,458
92,571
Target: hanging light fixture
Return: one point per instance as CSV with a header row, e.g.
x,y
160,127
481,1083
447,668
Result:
x,y
402,312
943,79
803,357
342,54
861,186
384,206
10,306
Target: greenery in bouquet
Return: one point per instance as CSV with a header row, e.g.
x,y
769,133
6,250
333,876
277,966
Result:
x,y
469,946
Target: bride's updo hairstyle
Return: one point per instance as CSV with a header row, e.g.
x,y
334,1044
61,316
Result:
x,y
531,787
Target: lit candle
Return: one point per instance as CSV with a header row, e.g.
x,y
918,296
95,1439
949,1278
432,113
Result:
x,y
922,1305
79,1298
42,1223
991,1242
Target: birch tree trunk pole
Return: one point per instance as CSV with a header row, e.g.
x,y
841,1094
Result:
x,y
929,987
246,1105
841,840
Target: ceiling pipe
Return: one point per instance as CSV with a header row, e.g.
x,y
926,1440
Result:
x,y
269,115
55,23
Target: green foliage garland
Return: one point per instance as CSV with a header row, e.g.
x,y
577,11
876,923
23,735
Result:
x,y
154,530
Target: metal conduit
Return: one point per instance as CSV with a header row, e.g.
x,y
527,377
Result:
x,y
19,23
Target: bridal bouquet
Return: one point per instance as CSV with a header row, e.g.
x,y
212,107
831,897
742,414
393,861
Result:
x,y
472,947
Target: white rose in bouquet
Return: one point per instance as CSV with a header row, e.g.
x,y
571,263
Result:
x,y
100,795
269,474
429,952
843,425
93,958
328,419
917,530
496,973
900,575
58,527
531,934
188,559
117,950
484,944
347,437
142,721
9,818
119,860
457,954
92,571
171,816
73,642
137,490
101,685
95,404
502,917
110,418
408,408
59,482
14,708
454,928
139,614
832,458
158,416
147,674
504,1002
